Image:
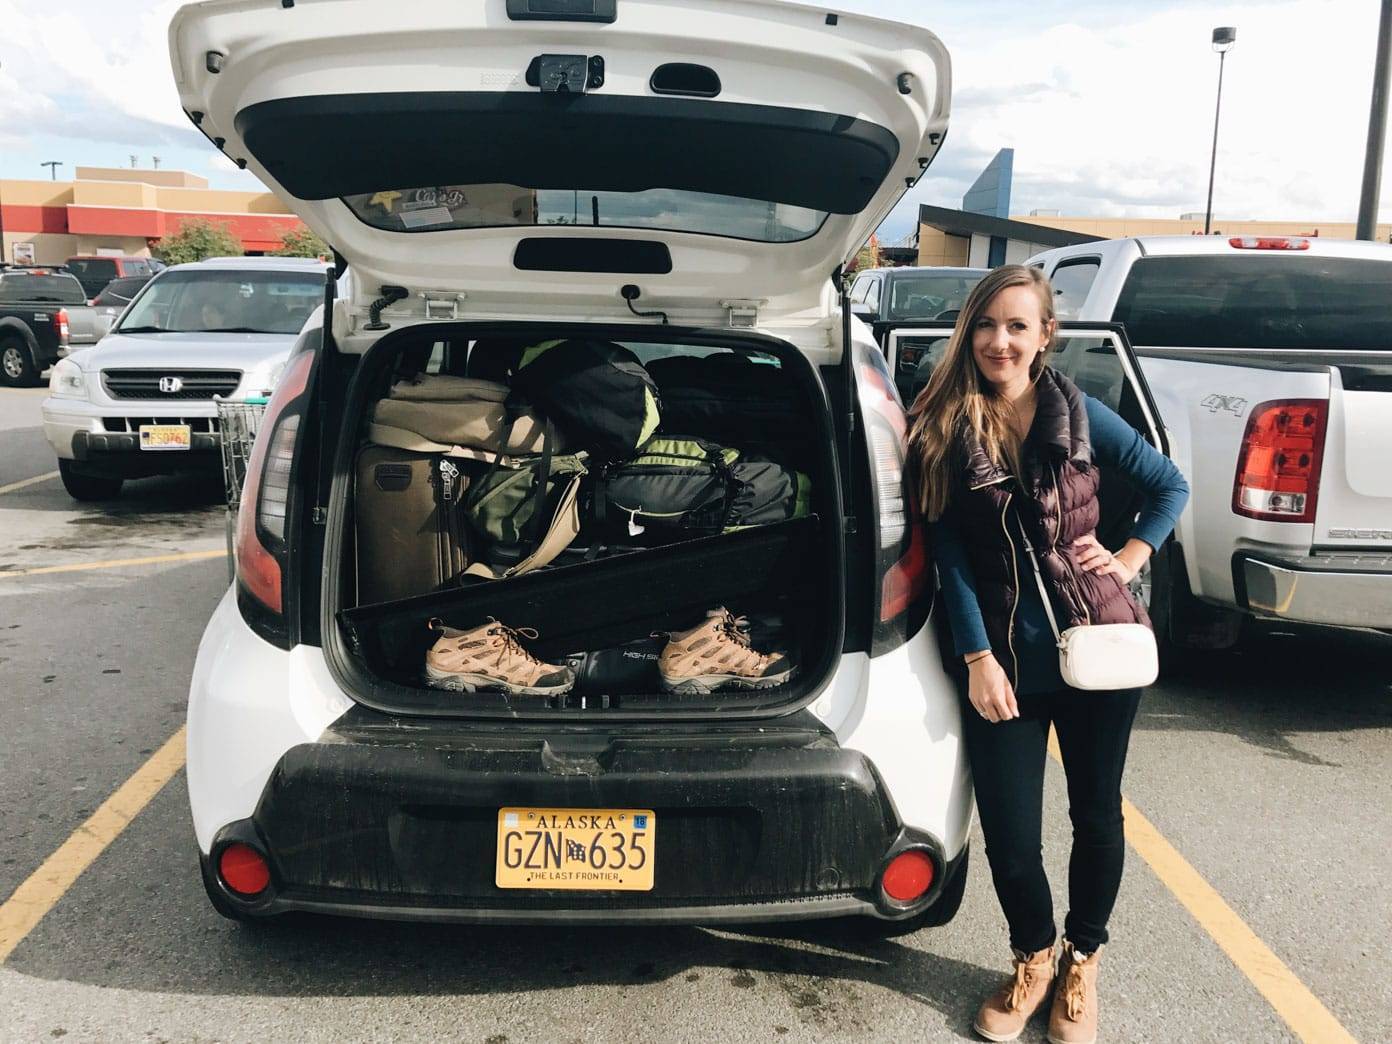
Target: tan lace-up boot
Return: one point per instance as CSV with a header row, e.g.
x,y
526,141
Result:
x,y
491,658
1003,1014
1073,1019
716,654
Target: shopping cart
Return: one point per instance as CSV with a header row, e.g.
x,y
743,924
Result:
x,y
238,422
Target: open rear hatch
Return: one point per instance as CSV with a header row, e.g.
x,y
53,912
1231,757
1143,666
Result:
x,y
723,151
620,585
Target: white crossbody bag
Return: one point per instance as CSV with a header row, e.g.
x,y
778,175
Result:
x,y
1100,656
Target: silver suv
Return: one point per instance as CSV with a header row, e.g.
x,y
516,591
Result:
x,y
140,402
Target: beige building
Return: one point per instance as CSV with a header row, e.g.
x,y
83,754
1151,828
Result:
x,y
959,238
112,210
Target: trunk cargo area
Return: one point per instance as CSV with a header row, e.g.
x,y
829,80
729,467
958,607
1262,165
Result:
x,y
605,604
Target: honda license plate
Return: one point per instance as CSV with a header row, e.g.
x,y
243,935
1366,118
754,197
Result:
x,y
165,436
605,849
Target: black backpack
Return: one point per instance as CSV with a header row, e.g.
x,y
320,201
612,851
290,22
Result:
x,y
596,392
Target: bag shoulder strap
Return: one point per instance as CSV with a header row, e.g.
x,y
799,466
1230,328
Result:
x,y
1039,579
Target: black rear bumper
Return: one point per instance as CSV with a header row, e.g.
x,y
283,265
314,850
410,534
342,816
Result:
x,y
753,824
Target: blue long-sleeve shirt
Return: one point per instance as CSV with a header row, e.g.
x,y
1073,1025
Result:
x,y
1114,444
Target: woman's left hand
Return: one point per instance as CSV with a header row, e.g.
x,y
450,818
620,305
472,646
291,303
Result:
x,y
1094,558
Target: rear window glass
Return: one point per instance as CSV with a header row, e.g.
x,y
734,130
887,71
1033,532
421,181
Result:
x,y
226,300
90,268
494,206
46,289
1278,302
929,295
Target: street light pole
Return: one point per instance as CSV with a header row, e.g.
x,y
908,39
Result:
x,y
52,166
1224,37
1377,132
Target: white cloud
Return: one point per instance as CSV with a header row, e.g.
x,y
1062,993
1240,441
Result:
x,y
1109,108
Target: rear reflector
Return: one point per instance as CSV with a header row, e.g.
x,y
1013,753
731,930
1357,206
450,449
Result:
x,y
1268,243
243,870
908,876
1278,466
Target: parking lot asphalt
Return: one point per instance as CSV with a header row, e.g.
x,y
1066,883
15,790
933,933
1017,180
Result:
x,y
1264,768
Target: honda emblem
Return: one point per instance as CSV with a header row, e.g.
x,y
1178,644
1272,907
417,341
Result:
x,y
170,385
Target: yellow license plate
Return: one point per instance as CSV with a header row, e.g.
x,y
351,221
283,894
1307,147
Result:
x,y
601,849
165,436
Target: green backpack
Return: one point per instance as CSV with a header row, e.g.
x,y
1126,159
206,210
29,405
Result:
x,y
524,513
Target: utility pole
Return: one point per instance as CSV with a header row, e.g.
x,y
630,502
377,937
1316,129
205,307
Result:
x,y
1377,131
133,160
52,166
156,161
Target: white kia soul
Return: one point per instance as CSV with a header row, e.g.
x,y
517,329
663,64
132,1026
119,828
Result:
x,y
687,179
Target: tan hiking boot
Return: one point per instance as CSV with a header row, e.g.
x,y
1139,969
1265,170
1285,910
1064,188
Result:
x,y
1003,1014
1073,1019
716,654
491,658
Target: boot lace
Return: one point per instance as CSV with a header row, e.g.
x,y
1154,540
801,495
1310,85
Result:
x,y
736,629
1075,991
1020,987
509,641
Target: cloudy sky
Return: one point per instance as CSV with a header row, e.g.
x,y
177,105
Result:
x,y
1109,107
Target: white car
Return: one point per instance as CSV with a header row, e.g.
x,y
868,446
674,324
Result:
x,y
678,176
140,401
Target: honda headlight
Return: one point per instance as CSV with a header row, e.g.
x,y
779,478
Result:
x,y
67,381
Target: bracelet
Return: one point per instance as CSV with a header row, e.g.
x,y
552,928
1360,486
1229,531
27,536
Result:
x,y
979,656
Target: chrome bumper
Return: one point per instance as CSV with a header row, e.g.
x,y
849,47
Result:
x,y
1341,590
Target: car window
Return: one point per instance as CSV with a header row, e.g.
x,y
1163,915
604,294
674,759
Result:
x,y
226,299
118,292
929,295
1093,365
1072,280
135,266
93,268
872,294
1269,301
42,289
859,289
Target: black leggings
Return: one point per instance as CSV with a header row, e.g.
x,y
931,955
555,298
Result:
x,y
1007,761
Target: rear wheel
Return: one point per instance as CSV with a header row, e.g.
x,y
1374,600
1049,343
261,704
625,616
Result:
x,y
17,367
1181,620
88,487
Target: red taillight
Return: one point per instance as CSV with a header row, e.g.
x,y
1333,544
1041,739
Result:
x,y
243,870
1268,243
1278,467
902,557
261,518
60,325
908,876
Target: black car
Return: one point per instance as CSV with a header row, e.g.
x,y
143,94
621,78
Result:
x,y
886,298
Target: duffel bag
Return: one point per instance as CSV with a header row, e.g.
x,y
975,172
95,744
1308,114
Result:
x,y
596,392
523,513
682,488
733,399
458,416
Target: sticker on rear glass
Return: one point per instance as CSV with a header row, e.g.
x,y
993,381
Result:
x,y
422,218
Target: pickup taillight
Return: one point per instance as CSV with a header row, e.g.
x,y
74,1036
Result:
x,y
1278,466
60,325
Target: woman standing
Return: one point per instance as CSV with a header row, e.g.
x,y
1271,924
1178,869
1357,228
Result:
x,y
1006,452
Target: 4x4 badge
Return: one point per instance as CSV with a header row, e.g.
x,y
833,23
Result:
x,y
169,385
1232,403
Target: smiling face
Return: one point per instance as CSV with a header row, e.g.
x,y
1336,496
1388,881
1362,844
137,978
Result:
x,y
1007,337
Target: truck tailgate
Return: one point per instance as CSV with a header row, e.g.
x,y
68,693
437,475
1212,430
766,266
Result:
x,y
1354,510
83,327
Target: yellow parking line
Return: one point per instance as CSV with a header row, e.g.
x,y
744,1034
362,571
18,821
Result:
x,y
43,888
117,563
28,482
1292,1000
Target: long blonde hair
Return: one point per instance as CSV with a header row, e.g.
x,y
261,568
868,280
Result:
x,y
957,397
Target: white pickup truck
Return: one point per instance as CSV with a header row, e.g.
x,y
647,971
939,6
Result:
x,y
1270,360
